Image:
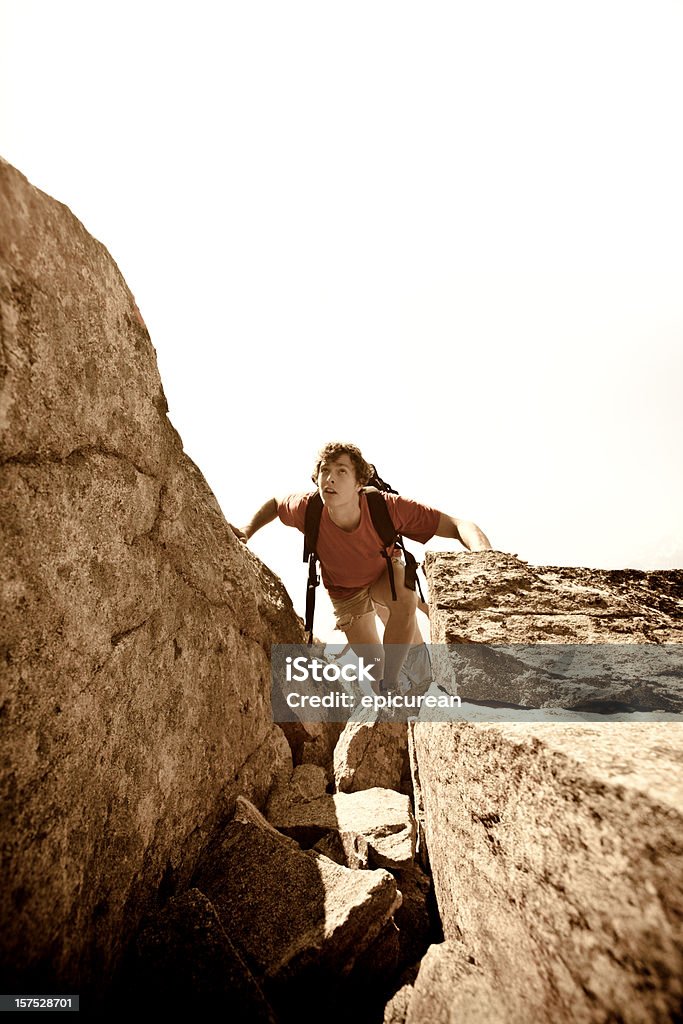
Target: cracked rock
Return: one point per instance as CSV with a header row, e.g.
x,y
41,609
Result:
x,y
137,629
371,751
293,914
382,818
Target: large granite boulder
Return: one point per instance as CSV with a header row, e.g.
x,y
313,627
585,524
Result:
x,y
136,628
556,848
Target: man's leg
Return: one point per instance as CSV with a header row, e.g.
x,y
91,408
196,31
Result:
x,y
361,633
400,629
383,613
417,668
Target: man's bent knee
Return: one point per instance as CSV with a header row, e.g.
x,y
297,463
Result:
x,y
403,610
405,603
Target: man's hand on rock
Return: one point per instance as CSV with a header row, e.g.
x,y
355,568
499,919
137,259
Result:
x,y
239,533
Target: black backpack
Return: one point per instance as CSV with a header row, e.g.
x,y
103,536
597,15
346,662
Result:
x,y
383,524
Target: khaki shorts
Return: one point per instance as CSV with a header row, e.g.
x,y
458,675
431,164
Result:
x,y
347,609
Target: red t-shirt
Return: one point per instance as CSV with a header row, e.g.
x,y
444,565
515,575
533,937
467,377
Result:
x,y
352,560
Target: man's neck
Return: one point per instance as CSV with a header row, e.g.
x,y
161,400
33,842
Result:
x,y
347,516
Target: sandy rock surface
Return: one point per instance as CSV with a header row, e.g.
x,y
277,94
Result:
x,y
136,628
557,848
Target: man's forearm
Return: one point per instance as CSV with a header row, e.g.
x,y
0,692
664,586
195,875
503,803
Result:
x,y
468,533
472,537
266,514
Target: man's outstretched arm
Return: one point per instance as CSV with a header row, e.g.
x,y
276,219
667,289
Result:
x,y
466,532
266,514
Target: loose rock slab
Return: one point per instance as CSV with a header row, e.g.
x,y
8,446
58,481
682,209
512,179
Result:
x,y
370,752
289,911
382,817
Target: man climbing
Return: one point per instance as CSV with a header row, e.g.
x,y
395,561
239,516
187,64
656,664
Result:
x,y
356,566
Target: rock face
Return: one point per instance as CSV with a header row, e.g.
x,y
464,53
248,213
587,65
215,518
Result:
x,y
296,917
493,598
371,751
135,627
556,849
450,990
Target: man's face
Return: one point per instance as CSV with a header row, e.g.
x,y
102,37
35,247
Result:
x,y
337,482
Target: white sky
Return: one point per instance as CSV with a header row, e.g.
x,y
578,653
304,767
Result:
x,y
452,233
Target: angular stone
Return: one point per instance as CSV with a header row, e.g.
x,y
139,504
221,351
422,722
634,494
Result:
x,y
313,743
247,813
396,1010
396,1007
347,848
307,782
370,752
292,913
382,817
449,989
185,962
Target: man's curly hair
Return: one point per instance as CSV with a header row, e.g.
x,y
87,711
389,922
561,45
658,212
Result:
x,y
334,449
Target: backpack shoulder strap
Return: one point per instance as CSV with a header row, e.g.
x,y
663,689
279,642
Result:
x,y
384,525
314,511
381,519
